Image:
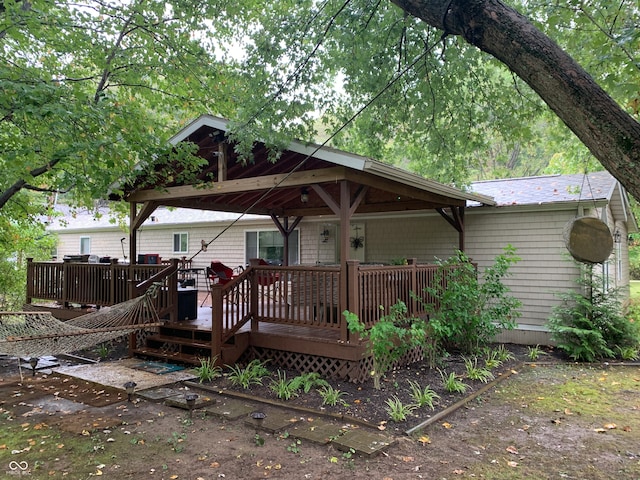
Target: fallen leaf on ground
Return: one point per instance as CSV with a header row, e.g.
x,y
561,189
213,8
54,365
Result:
x,y
447,425
512,449
626,428
610,426
407,459
424,440
512,464
458,471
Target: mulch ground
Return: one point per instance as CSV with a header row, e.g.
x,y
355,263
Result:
x,y
362,402
368,405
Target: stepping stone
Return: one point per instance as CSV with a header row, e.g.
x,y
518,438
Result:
x,y
273,422
43,363
363,441
230,408
317,431
180,401
156,394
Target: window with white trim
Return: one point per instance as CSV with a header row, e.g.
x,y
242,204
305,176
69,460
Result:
x,y
269,246
180,242
85,245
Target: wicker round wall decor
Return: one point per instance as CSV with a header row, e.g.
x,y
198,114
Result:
x,y
588,239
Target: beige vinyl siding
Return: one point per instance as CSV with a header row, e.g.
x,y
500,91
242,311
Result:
x,y
545,268
425,237
103,243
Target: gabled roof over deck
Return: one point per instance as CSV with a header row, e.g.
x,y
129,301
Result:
x,y
334,183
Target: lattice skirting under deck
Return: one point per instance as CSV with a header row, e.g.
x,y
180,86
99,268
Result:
x,y
347,370
142,335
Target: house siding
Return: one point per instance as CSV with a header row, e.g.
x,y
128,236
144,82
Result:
x,y
544,269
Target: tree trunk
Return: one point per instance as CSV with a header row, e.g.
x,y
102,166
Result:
x,y
611,135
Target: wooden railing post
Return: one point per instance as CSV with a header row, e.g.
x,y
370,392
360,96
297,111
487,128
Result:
x,y
30,280
352,304
112,282
413,286
65,284
216,323
253,297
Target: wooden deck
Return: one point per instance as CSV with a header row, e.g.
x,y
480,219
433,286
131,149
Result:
x,y
289,315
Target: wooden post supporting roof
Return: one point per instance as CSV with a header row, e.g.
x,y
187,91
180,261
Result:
x,y
456,220
285,231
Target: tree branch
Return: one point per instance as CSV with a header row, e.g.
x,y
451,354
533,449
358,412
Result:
x,y
612,135
33,188
19,184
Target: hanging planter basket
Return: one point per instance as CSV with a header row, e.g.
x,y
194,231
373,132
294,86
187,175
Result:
x,y
588,239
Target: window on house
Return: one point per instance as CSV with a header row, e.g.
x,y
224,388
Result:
x,y
618,261
180,242
85,245
269,245
606,276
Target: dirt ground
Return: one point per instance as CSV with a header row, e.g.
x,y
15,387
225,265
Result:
x,y
542,422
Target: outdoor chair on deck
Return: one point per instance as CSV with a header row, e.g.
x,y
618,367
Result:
x,y
220,274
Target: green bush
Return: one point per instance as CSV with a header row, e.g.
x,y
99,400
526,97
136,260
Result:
x,y
471,311
389,339
634,257
589,324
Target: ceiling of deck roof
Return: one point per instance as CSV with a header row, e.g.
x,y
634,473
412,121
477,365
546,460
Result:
x,y
263,187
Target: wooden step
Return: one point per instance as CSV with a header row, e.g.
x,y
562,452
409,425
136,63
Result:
x,y
179,341
177,357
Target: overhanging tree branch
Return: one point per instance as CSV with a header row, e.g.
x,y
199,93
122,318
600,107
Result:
x,y
6,195
612,135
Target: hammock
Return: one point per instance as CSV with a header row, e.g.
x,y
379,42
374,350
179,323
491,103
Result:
x,y
36,334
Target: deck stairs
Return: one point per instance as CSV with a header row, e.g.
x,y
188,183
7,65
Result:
x,y
188,344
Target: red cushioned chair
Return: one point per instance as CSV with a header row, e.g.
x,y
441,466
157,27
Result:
x,y
219,273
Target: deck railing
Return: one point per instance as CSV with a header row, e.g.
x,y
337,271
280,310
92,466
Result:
x,y
314,297
309,296
302,296
99,284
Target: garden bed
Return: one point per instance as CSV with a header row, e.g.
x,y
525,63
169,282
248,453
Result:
x,y
363,403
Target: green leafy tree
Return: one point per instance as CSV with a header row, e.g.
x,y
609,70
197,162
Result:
x,y
90,89
430,82
19,239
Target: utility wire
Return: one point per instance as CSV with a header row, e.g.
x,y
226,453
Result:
x,y
320,146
